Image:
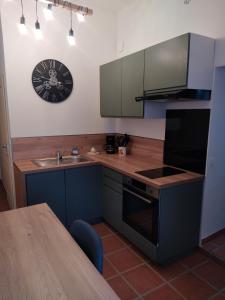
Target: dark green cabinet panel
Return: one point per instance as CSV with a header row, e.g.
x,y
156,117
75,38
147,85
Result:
x,y
112,198
166,64
110,89
47,187
132,84
83,194
112,207
115,176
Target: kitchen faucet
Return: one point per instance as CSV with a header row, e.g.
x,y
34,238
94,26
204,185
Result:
x,y
58,156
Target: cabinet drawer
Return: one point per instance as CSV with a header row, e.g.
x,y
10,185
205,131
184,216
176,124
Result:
x,y
114,185
113,175
112,207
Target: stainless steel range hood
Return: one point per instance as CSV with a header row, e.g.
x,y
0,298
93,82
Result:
x,y
175,95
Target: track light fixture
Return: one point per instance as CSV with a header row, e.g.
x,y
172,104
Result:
x,y
80,11
22,24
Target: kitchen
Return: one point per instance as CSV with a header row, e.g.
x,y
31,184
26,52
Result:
x,y
33,120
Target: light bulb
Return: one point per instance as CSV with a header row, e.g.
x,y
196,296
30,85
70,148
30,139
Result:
x,y
37,25
37,31
22,29
38,34
80,17
22,26
71,38
48,13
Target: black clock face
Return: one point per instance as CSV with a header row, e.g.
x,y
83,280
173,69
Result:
x,y
52,81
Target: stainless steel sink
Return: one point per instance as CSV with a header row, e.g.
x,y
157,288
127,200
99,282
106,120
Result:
x,y
65,160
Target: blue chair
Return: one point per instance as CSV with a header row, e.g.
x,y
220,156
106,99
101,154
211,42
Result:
x,y
89,241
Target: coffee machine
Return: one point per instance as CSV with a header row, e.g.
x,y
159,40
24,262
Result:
x,y
110,146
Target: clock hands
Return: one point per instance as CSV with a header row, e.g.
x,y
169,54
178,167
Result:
x,y
51,81
44,77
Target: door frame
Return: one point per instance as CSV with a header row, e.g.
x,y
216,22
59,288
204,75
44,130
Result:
x,y
11,198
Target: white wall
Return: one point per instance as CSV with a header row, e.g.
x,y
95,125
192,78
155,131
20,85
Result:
x,y
147,22
96,44
213,213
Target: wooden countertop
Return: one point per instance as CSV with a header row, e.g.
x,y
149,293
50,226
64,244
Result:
x,y
127,165
40,260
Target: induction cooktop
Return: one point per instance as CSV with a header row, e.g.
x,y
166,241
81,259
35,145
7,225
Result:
x,y
160,172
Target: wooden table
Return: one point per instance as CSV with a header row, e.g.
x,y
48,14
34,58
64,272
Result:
x,y
40,260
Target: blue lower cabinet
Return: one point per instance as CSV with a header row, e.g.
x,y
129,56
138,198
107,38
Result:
x,y
48,187
83,194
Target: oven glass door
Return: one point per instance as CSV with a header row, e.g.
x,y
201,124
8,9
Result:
x,y
140,212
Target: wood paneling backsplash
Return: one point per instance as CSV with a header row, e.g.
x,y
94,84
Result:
x,y
47,146
38,147
145,147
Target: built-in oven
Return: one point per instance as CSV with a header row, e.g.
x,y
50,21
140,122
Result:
x,y
141,208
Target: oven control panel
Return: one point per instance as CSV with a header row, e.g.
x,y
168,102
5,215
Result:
x,y
138,185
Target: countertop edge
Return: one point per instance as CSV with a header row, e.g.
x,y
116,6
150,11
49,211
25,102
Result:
x,y
100,161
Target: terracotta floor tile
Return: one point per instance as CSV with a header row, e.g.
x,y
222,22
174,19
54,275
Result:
x,y
194,259
163,293
169,272
102,229
192,287
219,297
139,253
122,288
124,259
108,270
213,273
112,243
209,246
128,243
219,240
143,279
220,253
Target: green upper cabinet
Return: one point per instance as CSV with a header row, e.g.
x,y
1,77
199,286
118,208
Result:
x,y
111,89
184,62
166,64
133,84
121,81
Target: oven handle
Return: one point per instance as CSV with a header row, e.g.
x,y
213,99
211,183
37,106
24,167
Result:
x,y
135,194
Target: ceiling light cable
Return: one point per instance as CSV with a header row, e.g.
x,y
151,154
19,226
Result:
x,y
37,31
22,24
22,19
37,24
71,38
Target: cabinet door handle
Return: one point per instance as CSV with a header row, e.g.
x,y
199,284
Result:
x,y
139,98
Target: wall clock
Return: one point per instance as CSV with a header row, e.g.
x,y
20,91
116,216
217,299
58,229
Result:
x,y
52,81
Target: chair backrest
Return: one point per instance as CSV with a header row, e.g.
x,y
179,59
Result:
x,y
89,241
